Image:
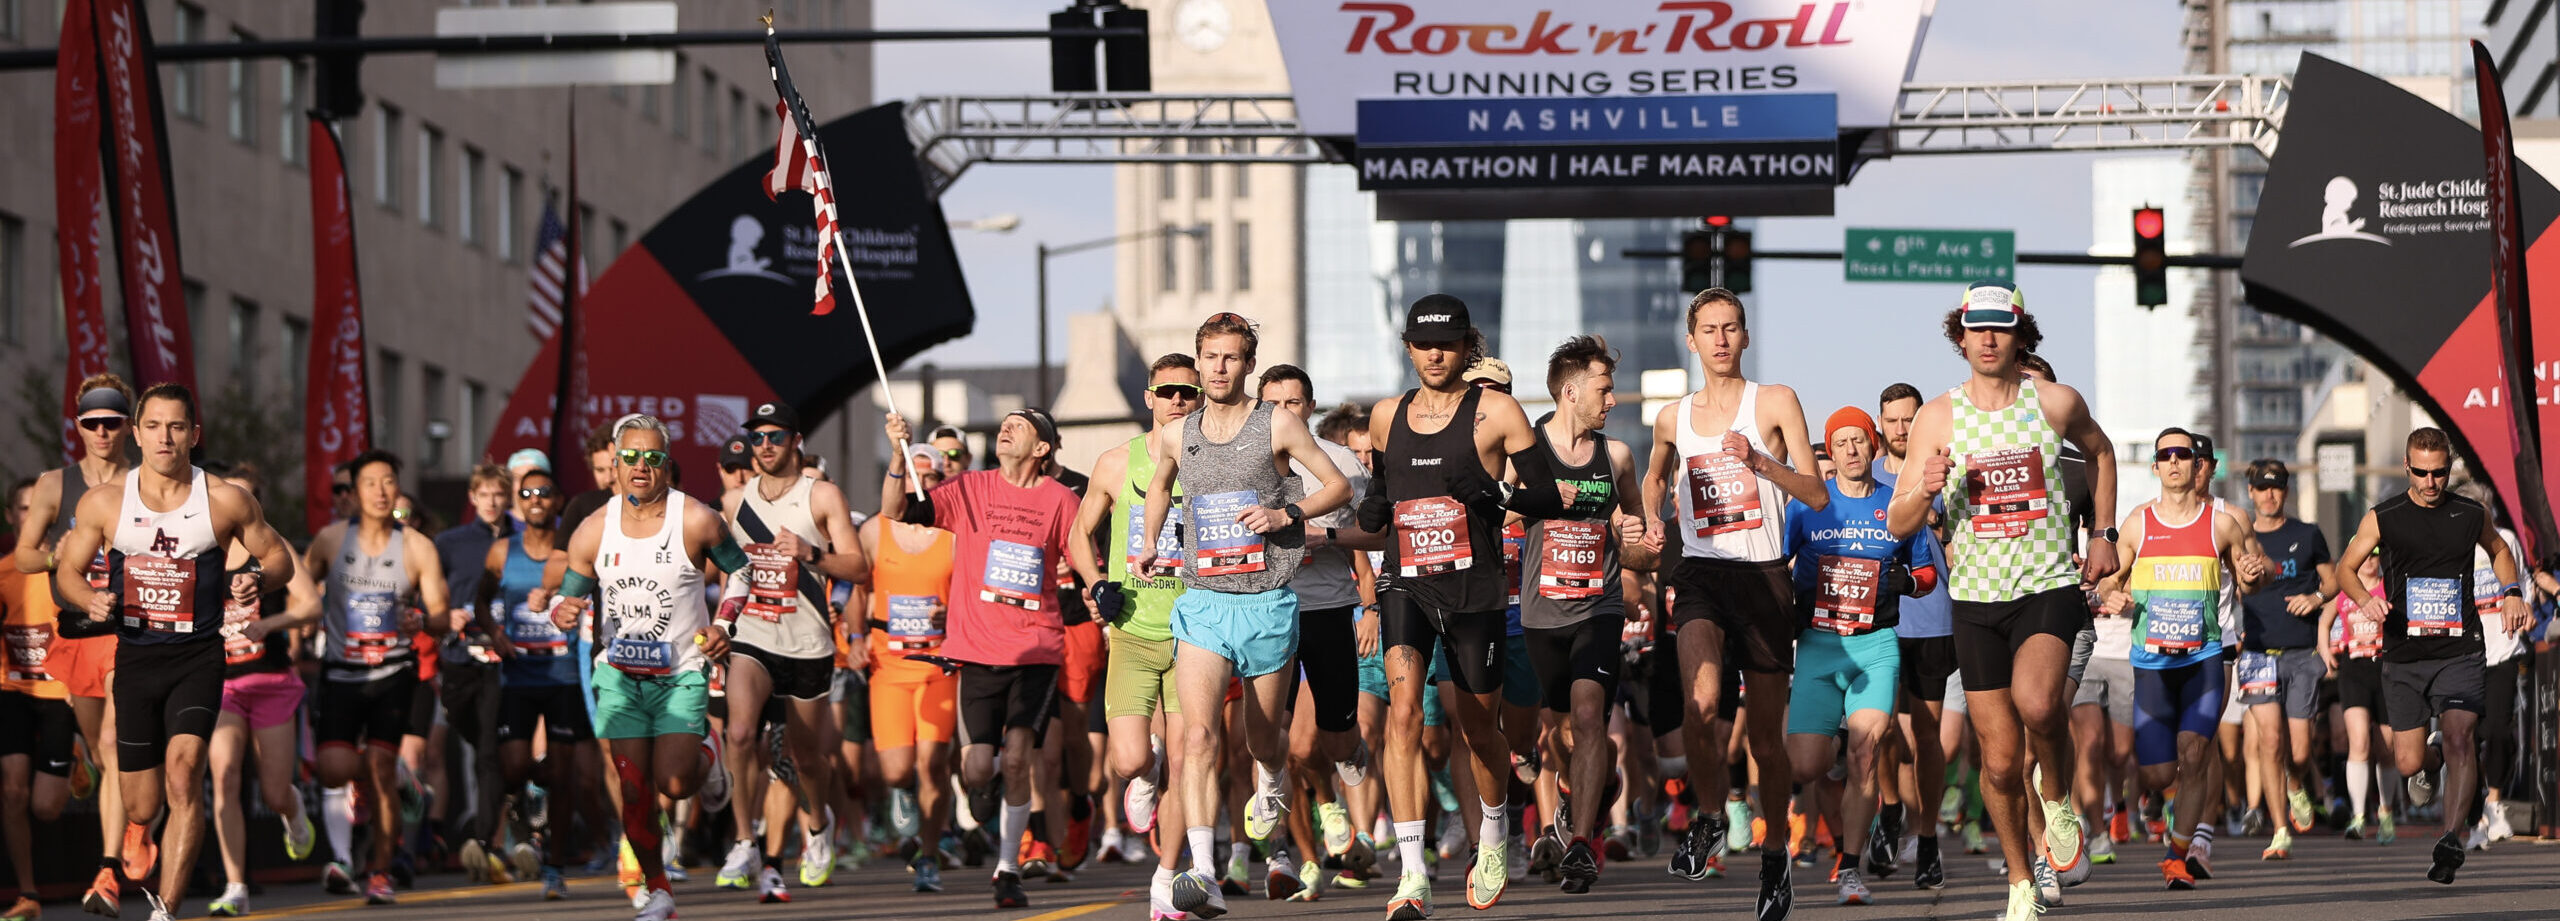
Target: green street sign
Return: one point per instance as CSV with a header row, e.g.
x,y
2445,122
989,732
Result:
x,y
1898,254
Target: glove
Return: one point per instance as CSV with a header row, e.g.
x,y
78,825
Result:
x,y
1897,579
1107,599
1375,511
1481,494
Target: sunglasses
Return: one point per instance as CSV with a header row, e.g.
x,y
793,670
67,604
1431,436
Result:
x,y
339,489
954,453
774,437
634,457
536,492
2165,455
2430,473
102,423
1175,391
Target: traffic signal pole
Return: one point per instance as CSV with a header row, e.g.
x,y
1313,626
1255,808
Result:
x,y
2192,261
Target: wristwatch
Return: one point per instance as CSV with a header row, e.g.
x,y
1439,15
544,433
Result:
x,y
1296,515
2105,534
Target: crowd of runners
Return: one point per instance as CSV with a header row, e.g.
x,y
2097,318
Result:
x,y
1271,649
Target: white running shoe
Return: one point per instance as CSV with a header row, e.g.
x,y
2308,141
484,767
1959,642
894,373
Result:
x,y
738,871
1138,800
818,851
658,905
1354,770
1853,890
1269,800
715,781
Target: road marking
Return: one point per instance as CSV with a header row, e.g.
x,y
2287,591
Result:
x,y
1064,913
406,898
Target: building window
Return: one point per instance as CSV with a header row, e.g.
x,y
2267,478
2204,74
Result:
x,y
390,430
297,351
680,113
291,131
13,274
621,237
649,102
1208,172
386,156
1167,257
510,190
241,109
438,429
244,346
1208,259
1244,180
738,143
474,395
466,203
710,112
1244,255
1165,181
186,81
430,174
193,292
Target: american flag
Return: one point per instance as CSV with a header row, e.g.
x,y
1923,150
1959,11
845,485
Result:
x,y
798,165
550,257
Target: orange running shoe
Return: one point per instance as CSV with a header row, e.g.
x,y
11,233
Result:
x,y
141,853
105,895
2121,827
2174,870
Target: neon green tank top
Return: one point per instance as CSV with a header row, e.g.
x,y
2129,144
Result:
x,y
1149,613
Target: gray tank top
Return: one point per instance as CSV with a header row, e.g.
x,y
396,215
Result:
x,y
361,620
1220,479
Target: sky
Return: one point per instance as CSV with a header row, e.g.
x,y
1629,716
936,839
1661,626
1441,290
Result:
x,y
1799,308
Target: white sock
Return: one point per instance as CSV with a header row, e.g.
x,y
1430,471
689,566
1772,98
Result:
x,y
1009,840
1163,875
1204,848
1409,845
1240,851
1489,828
2359,786
337,816
1675,766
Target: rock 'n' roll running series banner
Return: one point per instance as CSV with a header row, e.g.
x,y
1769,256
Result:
x,y
336,421
2375,228
708,314
80,209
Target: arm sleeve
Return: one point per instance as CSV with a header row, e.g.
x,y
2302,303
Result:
x,y
727,555
1537,496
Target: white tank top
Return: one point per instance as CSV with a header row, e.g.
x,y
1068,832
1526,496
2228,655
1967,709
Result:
x,y
1726,511
649,596
783,615
171,583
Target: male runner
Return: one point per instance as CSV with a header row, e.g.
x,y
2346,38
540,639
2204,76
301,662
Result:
x,y
1850,577
1139,609
370,570
912,718
2180,550
1928,669
2018,601
1237,616
639,564
467,681
1732,444
799,538
261,702
538,679
2280,666
1440,466
1010,526
165,531
2434,660
83,653
1573,608
35,723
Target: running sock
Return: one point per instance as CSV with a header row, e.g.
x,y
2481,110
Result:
x,y
1489,827
772,861
1079,807
1674,766
1204,849
337,815
2202,839
1009,836
1409,845
1240,851
2359,786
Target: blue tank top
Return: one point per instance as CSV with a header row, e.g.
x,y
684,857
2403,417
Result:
x,y
545,655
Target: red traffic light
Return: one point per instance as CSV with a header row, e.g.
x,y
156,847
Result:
x,y
2148,223
1718,220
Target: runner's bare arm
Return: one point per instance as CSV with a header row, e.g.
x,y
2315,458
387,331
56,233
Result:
x,y
844,560
1657,473
79,545
1509,444
1913,492
578,576
322,549
2112,597
1634,552
2247,561
433,595
1779,405
2073,422
1292,442
275,557
2502,560
1101,489
493,567
2368,536
893,486
1376,512
1166,447
44,504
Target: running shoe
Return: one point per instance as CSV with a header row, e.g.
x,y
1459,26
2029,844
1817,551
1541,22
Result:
x,y
1138,799
1036,856
737,871
627,871
1113,840
770,889
2301,811
1335,823
1268,800
554,888
2355,829
1313,873
1362,858
818,851
2064,849
2048,884
2102,849
141,854
927,872
528,859
2253,822
1453,835
2448,858
1973,838
2421,787
333,880
2173,869
233,903
1236,880
1280,880
475,862
2120,826
1880,859
1354,769
106,894
2022,902
1579,867
1160,899
659,906
1951,806
1738,826
1853,890
1196,895
1929,870
1777,887
2498,827
2389,830
1491,875
159,911
2279,847
974,847
1543,854
903,816
2200,857
1689,857
1009,894
1412,901
298,837
1079,844
377,890
26,909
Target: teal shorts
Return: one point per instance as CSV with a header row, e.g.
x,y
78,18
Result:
x,y
1373,682
1839,675
1257,633
629,707
1520,687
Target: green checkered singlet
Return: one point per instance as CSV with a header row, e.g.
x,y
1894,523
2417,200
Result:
x,y
2011,534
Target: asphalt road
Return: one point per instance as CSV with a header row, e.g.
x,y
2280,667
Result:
x,y
2329,879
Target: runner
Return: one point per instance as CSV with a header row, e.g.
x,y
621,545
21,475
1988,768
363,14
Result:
x,y
1140,611
2018,599
1928,671
381,582
166,598
261,700
1574,610
1237,616
2351,644
467,680
1732,443
83,653
800,540
1008,526
36,757
2280,671
2505,651
639,564
2433,656
538,679
912,719
1441,490
2180,551
1850,578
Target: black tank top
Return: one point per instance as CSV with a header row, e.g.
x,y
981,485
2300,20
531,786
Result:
x,y
1439,554
76,627
2426,564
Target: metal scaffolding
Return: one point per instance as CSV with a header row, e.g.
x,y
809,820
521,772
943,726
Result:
x,y
2152,113
952,133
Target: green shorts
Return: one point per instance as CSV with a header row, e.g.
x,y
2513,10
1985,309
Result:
x,y
629,707
1140,677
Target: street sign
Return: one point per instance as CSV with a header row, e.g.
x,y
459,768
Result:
x,y
1898,254
642,66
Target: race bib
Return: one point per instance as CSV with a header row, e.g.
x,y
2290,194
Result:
x,y
2488,596
533,633
2435,606
27,649
1013,575
2257,673
2173,626
1514,537
2004,491
1724,495
237,648
2361,638
911,619
160,594
1569,559
1225,546
648,658
1168,538
1433,536
97,572
373,626
773,583
1844,593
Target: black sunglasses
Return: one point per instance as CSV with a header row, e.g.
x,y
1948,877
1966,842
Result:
x,y
2430,473
1175,391
2165,455
772,437
536,492
102,423
339,489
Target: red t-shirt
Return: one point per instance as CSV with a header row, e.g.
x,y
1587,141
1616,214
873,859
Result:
x,y
1003,599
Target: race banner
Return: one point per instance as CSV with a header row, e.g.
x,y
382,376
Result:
x,y
79,210
709,314
335,423
146,219
2515,315
2375,228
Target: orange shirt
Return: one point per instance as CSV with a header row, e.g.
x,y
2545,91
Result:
x,y
28,628
905,587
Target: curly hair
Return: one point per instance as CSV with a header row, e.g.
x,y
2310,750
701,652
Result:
x,y
2029,334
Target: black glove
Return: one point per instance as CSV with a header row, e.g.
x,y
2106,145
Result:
x,y
1897,579
1481,494
1375,511
1107,599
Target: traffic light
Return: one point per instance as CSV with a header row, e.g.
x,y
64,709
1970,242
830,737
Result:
x,y
2150,257
337,88
1124,67
1124,57
1698,252
1716,258
1737,260
1071,57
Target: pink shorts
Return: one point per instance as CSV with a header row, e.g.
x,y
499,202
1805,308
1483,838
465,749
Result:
x,y
264,699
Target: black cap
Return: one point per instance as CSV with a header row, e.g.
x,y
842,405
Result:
x,y
1041,423
775,413
1437,318
2269,473
733,453
2204,447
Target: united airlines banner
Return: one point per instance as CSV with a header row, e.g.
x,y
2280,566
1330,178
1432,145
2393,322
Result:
x,y
708,315
2375,228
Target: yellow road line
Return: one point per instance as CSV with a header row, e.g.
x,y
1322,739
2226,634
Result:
x,y
1076,911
